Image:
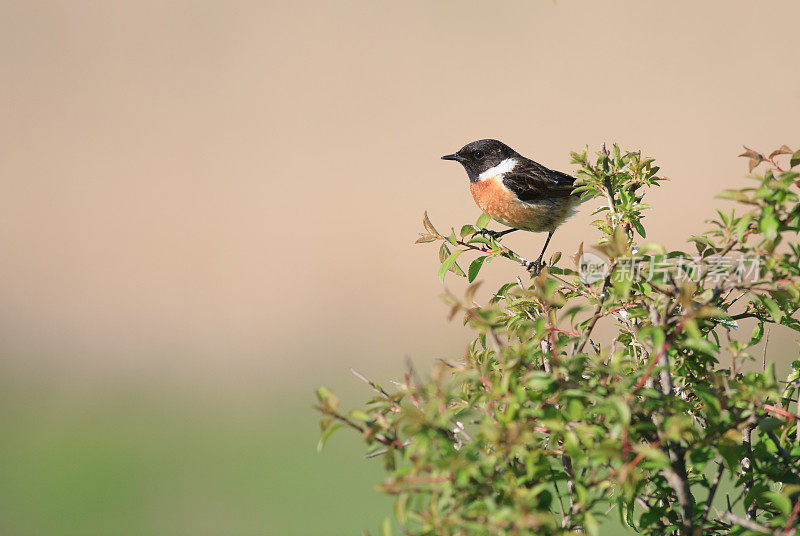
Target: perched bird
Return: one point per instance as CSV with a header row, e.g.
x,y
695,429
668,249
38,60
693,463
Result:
x,y
515,190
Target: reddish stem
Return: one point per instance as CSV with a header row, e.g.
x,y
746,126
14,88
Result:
x,y
650,366
779,411
789,522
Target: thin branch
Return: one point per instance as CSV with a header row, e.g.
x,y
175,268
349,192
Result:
x,y
780,411
787,530
742,522
566,461
380,438
375,387
747,464
558,494
679,482
781,450
797,416
711,492
677,475
598,311
654,359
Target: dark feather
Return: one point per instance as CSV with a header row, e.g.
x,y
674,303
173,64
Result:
x,y
531,181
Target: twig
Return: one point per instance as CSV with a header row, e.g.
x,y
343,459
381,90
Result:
x,y
379,437
504,251
677,476
787,529
781,450
375,387
780,411
747,464
558,494
411,372
679,482
598,311
654,359
711,492
376,453
746,523
566,461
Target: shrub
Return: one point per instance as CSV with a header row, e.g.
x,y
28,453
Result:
x,y
546,428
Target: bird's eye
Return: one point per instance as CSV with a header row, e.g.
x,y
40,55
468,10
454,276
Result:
x,y
478,155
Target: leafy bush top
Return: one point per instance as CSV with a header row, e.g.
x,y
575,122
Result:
x,y
544,429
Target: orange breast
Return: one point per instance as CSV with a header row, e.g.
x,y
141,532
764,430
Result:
x,y
497,202
500,204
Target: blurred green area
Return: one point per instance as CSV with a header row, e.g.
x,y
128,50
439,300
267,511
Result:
x,y
137,459
138,462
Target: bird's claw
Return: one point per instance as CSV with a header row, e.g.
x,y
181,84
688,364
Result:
x,y
494,235
535,266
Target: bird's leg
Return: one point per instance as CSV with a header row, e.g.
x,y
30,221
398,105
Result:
x,y
496,234
537,264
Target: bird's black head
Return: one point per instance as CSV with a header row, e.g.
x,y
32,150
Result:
x,y
481,155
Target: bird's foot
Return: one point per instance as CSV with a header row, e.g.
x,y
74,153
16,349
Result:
x,y
491,234
534,266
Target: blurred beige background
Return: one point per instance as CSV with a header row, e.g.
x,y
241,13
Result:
x,y
221,197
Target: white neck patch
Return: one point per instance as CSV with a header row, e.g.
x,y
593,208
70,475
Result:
x,y
503,167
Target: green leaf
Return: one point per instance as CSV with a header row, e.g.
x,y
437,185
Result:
x,y
755,492
386,527
769,424
328,399
591,524
327,432
778,501
736,195
478,239
540,381
444,252
758,333
772,307
475,267
623,410
795,159
501,293
471,290
359,415
742,225
450,265
483,221
639,228
769,226
400,507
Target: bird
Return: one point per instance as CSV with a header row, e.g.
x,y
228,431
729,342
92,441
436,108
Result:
x,y
516,191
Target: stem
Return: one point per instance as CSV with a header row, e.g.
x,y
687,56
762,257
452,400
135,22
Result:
x,y
746,523
792,517
598,311
676,475
711,492
566,461
750,509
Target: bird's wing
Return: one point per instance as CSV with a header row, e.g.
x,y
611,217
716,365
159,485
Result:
x,y
532,182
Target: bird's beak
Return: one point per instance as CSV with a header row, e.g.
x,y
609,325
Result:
x,y
456,157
